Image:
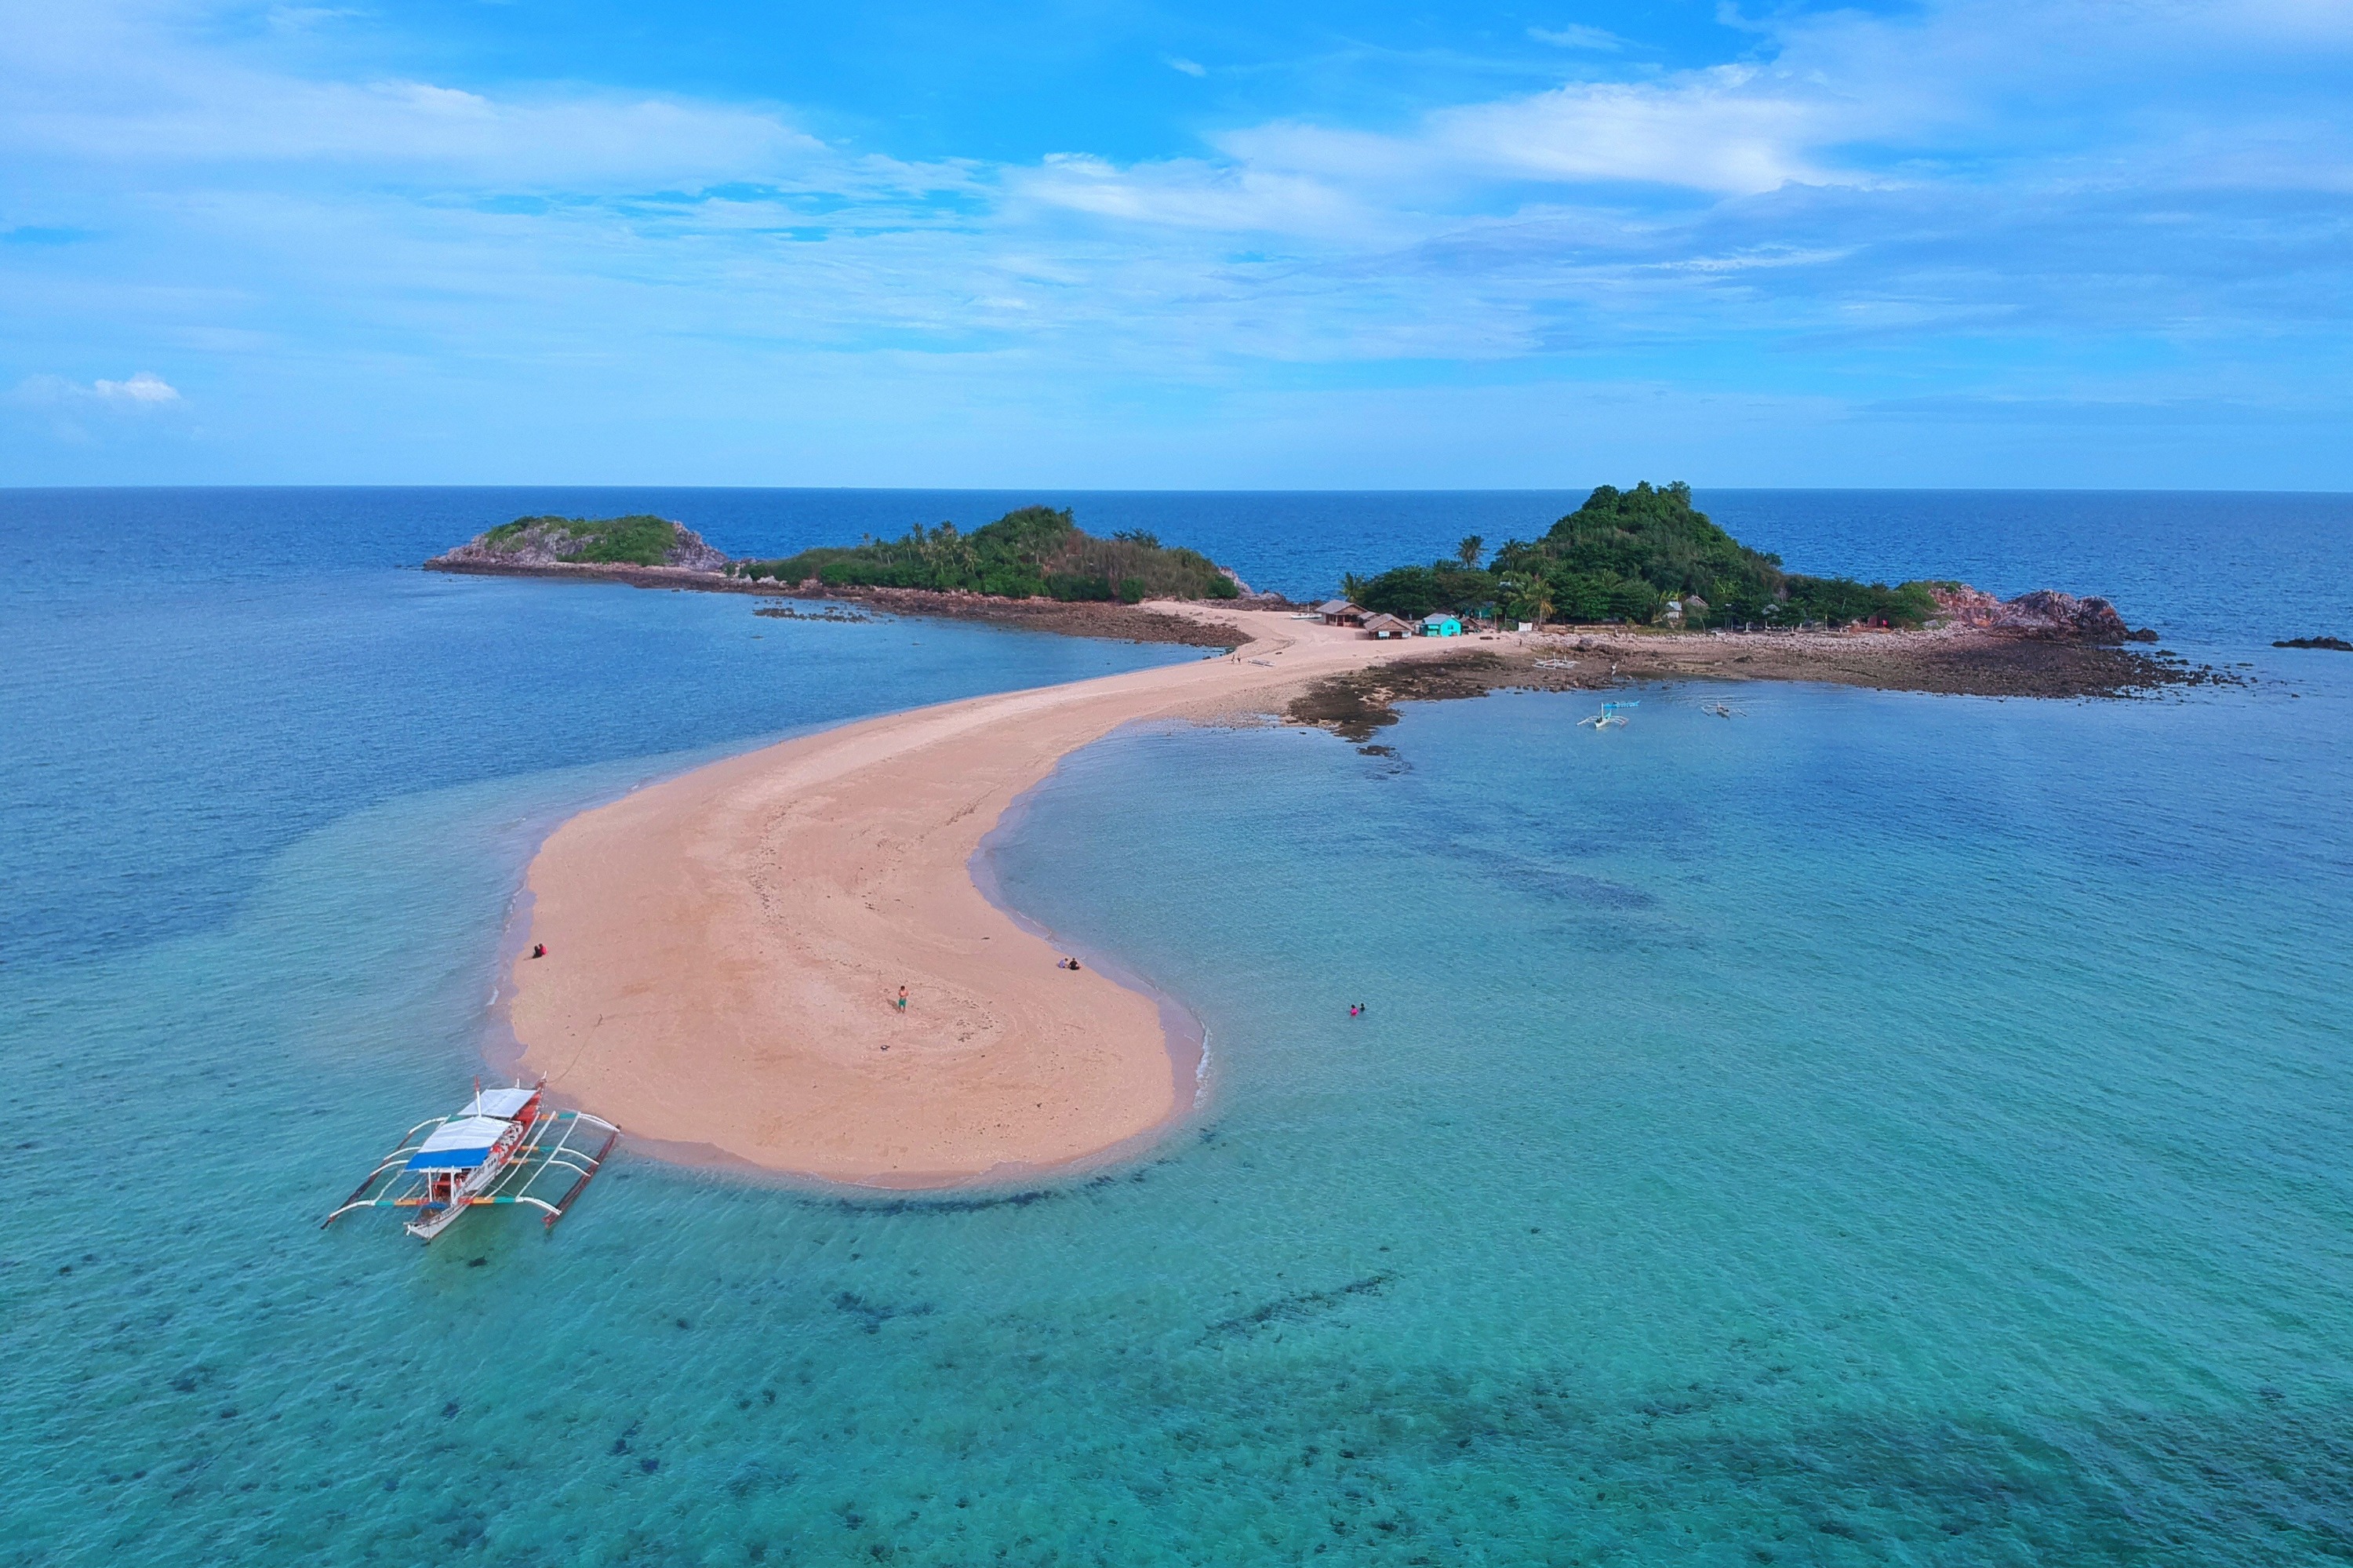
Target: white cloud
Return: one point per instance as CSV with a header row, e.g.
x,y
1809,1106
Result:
x,y
423,127
1969,168
1577,36
145,386
1731,129
107,84
1193,192
305,18
1190,67
144,389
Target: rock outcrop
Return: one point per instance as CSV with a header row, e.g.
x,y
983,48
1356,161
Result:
x,y
1249,598
2042,614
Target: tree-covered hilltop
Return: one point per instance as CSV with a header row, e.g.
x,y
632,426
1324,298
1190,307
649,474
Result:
x,y
635,541
1622,557
1036,552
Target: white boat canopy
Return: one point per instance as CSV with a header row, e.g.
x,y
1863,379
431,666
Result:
x,y
460,1143
508,1103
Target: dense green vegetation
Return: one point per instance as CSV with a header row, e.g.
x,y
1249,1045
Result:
x,y
636,541
1036,552
1622,557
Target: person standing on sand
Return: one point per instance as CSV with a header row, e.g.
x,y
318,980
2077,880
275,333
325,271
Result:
x,y
902,999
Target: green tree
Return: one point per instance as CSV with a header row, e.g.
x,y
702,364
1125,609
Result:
x,y
1410,592
1536,605
1033,551
1413,592
1624,551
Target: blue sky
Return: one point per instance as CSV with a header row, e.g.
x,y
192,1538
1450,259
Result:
x,y
1966,242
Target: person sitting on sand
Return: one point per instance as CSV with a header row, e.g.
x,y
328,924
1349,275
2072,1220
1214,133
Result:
x,y
539,949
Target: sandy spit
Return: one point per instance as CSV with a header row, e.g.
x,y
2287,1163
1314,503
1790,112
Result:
x,y
725,948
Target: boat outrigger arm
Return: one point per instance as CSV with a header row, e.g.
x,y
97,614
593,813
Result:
x,y
499,1150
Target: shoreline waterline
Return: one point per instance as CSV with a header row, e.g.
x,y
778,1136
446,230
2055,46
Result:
x,y
1185,1034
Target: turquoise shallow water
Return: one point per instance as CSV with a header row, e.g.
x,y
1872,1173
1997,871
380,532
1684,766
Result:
x,y
1871,1128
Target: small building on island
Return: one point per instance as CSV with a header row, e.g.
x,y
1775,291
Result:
x,y
1386,626
1442,625
1688,609
1340,612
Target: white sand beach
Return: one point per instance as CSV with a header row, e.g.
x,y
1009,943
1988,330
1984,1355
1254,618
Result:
x,y
725,948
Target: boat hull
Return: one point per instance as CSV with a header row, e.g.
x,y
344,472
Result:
x,y
433,1222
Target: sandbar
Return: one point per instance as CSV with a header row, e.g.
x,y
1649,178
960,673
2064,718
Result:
x,y
725,948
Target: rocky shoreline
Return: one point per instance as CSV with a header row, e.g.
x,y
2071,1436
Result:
x,y
1949,661
1080,618
2041,644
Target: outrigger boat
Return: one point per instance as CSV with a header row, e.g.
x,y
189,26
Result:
x,y
496,1151
1610,715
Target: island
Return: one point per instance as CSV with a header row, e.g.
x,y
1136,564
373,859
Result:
x,y
784,959
1032,567
1646,557
547,544
1669,588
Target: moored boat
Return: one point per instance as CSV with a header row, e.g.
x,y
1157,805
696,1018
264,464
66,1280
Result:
x,y
497,1150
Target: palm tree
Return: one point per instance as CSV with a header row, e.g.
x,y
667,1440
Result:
x,y
1539,599
1468,551
1352,587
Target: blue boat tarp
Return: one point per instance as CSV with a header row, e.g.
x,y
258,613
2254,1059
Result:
x,y
448,1160
460,1144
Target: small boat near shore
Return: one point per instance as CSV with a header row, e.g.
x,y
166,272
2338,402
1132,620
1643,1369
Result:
x,y
498,1149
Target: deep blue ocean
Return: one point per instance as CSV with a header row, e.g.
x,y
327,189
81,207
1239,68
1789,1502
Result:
x,y
1869,1128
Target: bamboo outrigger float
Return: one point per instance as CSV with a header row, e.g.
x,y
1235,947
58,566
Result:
x,y
496,1151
